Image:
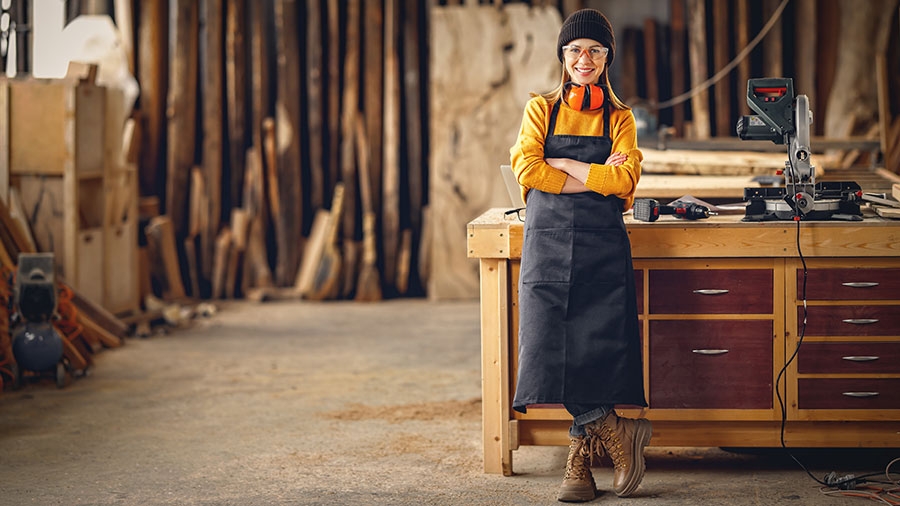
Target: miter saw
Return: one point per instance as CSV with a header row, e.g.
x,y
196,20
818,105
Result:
x,y
784,119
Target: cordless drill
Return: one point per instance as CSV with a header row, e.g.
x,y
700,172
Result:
x,y
650,210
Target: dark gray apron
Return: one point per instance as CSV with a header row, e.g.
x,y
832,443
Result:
x,y
578,324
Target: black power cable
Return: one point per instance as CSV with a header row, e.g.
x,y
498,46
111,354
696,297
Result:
x,y
831,480
781,404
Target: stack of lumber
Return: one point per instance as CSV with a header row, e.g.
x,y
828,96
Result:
x,y
285,101
886,206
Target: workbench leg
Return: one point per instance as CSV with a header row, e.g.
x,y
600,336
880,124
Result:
x,y
495,366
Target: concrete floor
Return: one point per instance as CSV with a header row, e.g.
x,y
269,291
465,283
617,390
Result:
x,y
288,403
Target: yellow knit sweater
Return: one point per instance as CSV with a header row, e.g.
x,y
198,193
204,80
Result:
x,y
527,155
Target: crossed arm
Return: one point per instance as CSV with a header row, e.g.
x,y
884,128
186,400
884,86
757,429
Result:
x,y
578,171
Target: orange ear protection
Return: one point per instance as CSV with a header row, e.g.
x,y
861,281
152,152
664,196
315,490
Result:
x,y
583,97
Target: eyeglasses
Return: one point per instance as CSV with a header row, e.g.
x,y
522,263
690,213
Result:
x,y
519,212
594,52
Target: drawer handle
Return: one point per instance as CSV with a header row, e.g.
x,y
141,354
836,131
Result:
x,y
861,394
706,351
860,358
860,284
710,292
861,321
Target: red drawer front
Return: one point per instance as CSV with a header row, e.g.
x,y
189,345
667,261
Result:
x,y
864,358
827,393
639,289
713,291
850,320
689,368
850,284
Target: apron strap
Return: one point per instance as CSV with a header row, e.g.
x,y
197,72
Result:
x,y
553,113
606,119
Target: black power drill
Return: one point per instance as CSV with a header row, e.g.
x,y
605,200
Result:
x,y
650,210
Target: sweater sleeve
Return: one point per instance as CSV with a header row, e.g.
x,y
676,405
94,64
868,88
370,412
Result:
x,y
527,154
621,180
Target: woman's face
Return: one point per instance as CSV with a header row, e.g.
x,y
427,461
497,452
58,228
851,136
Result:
x,y
585,59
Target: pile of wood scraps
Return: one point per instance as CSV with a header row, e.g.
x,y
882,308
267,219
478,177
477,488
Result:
x,y
86,328
886,206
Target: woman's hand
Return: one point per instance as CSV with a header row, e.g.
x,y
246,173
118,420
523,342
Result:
x,y
574,168
616,159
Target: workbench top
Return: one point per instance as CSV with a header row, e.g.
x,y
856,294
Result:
x,y
494,234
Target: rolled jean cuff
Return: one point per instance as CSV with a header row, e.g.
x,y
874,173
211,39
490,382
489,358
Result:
x,y
592,415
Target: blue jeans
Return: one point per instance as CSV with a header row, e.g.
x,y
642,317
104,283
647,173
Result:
x,y
583,414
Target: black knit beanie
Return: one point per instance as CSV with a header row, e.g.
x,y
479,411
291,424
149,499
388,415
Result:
x,y
587,24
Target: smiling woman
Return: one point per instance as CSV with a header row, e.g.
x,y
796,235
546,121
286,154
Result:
x,y
577,162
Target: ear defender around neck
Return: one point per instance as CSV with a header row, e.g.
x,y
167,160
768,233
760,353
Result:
x,y
583,97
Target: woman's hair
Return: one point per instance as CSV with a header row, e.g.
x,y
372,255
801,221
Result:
x,y
555,94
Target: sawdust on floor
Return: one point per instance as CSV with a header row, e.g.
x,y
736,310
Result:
x,y
425,411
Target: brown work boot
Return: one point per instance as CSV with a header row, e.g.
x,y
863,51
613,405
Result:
x,y
578,484
624,440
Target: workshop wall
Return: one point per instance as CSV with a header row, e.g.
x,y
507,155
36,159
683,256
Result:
x,y
251,114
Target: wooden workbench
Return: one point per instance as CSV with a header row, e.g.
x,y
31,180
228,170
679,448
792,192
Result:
x,y
721,311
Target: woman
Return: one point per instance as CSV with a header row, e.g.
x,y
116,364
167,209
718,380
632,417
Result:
x,y
577,161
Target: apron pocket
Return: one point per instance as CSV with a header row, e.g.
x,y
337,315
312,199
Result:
x,y
600,256
547,256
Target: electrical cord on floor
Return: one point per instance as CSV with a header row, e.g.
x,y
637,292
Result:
x,y
889,496
781,404
849,485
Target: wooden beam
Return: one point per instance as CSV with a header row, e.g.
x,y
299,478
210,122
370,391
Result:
x,y
390,213
679,62
328,266
4,140
651,60
699,72
181,110
315,102
414,83
628,59
742,40
721,57
374,93
806,48
828,21
153,76
235,94
773,47
240,228
161,247
220,263
333,92
212,14
288,221
349,112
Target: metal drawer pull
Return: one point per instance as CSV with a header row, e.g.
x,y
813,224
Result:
x,y
709,352
861,321
860,358
860,284
711,292
861,394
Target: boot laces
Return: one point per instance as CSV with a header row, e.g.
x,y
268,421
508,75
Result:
x,y
613,445
576,467
593,449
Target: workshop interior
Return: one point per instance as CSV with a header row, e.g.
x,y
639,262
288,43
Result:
x,y
166,162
